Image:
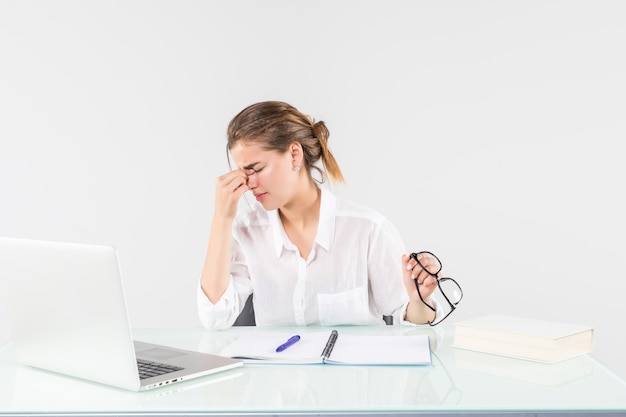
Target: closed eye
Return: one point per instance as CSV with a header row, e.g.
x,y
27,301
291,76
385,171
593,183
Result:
x,y
251,171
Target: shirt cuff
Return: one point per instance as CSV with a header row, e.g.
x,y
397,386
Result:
x,y
216,316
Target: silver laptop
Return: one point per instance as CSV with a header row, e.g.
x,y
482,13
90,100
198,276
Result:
x,y
67,313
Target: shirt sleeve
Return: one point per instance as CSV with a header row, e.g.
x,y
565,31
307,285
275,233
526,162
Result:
x,y
385,272
223,314
385,266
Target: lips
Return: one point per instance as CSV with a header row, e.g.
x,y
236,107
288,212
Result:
x,y
260,196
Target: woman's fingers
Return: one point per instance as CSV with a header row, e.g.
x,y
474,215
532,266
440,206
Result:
x,y
228,189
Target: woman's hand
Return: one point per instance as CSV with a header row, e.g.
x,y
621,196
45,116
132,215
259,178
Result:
x,y
418,311
413,273
228,190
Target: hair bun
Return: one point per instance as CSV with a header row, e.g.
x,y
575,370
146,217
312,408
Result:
x,y
321,133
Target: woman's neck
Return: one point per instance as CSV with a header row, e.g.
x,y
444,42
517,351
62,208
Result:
x,y
304,210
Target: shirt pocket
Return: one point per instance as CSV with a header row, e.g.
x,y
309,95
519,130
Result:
x,y
347,307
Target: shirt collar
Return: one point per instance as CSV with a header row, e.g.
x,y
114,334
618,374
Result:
x,y
325,228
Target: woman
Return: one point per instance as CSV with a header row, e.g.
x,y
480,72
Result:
x,y
307,256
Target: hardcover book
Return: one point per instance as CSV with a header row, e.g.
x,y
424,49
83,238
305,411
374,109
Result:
x,y
523,338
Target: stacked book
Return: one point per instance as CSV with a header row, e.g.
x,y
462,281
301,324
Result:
x,y
523,338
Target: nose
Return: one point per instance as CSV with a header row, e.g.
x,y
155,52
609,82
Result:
x,y
252,181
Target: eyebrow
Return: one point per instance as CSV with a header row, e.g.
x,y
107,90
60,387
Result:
x,y
251,166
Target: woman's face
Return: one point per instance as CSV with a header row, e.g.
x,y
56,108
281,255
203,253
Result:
x,y
271,176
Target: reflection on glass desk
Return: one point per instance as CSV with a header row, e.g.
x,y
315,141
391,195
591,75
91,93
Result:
x,y
458,382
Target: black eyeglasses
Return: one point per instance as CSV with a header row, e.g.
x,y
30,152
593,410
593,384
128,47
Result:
x,y
449,289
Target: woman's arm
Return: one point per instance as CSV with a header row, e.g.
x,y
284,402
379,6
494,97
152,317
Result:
x,y
418,313
216,272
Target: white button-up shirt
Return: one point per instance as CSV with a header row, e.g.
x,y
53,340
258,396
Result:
x,y
353,274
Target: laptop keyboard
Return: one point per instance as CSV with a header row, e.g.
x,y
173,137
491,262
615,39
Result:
x,y
149,369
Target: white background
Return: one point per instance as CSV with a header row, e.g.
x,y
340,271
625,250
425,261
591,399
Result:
x,y
489,132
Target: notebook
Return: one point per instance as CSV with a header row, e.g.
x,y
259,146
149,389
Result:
x,y
330,347
67,314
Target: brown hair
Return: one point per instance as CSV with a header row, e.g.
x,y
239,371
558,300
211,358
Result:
x,y
276,125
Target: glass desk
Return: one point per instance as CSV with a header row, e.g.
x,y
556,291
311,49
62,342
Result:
x,y
458,382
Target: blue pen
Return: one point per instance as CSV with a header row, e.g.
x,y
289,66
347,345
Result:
x,y
291,341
